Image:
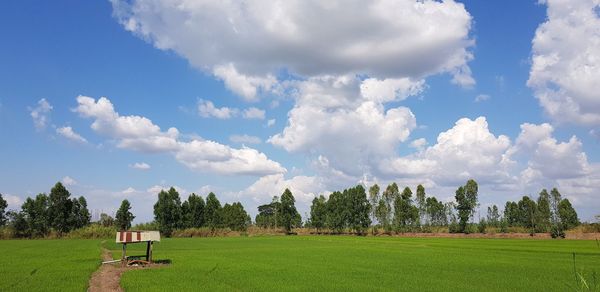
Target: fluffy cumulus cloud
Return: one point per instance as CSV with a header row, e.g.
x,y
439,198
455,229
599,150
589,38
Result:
x,y
70,134
249,42
254,113
140,134
304,188
566,62
40,114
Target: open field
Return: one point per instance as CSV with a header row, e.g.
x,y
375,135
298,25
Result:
x,y
363,263
308,263
47,265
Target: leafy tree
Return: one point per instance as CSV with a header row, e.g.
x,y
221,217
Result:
x,y
389,195
124,216
288,211
555,199
60,208
471,190
336,218
19,224
80,215
421,203
405,214
35,214
493,216
374,200
511,214
3,205
567,214
235,217
358,209
106,220
167,211
382,212
463,208
193,211
212,212
267,214
318,212
527,209
436,212
543,212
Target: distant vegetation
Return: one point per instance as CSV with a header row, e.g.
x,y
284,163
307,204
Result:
x,y
348,211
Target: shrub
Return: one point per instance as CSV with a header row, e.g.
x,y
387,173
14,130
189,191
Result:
x,y
482,226
556,231
92,231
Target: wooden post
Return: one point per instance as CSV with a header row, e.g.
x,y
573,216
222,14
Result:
x,y
148,251
124,255
150,244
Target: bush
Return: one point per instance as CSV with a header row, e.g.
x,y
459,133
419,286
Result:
x,y
503,226
453,227
482,226
146,226
93,231
471,228
556,231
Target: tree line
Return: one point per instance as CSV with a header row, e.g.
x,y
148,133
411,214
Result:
x,y
352,210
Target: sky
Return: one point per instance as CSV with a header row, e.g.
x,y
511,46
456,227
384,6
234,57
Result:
x,y
120,99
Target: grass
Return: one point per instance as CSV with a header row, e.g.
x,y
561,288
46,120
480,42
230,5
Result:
x,y
47,265
362,263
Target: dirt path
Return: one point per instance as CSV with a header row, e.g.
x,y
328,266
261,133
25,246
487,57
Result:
x,y
108,276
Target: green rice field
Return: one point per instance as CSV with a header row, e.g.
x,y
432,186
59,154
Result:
x,y
309,263
48,265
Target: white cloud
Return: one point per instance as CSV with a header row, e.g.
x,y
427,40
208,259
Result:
x,y
140,166
207,109
68,181
348,137
390,89
155,189
68,133
254,113
140,134
129,191
250,42
418,144
566,62
243,85
40,113
482,97
14,202
547,157
247,139
270,122
304,188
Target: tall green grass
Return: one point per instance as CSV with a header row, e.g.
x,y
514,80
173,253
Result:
x,y
315,263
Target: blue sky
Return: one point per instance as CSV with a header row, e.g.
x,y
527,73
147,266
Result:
x,y
182,66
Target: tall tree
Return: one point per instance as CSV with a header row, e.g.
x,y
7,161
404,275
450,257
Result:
x,y
555,198
212,212
288,210
235,217
106,220
435,211
389,195
359,209
167,211
80,215
3,205
421,203
35,214
59,208
382,212
318,213
267,214
463,208
527,209
567,214
511,213
193,211
405,214
471,193
335,212
493,216
374,200
543,212
124,217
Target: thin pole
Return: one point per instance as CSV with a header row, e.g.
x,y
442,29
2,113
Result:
x,y
124,255
148,251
